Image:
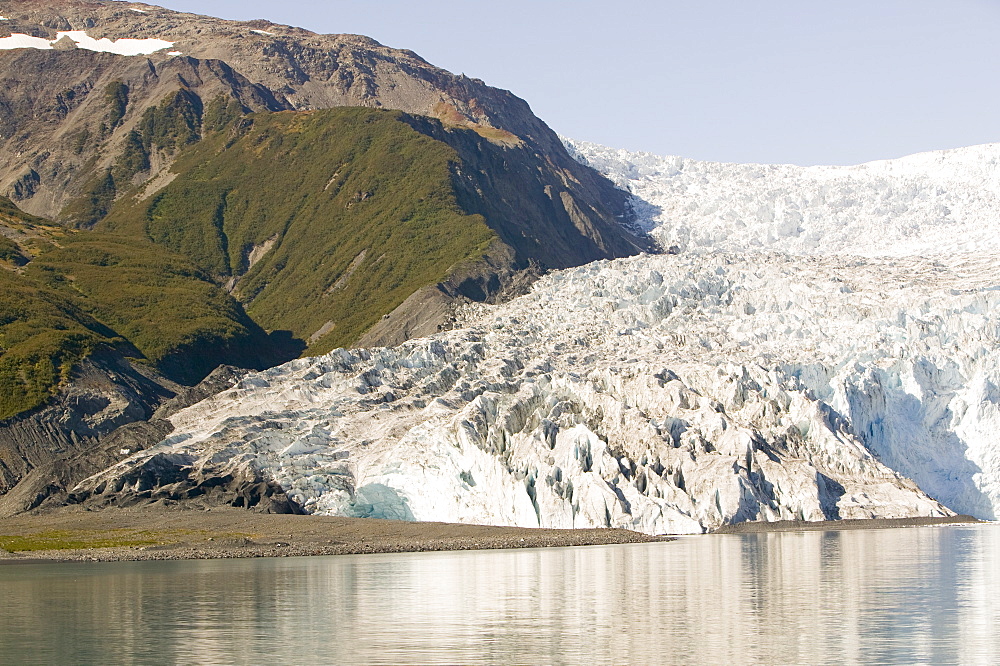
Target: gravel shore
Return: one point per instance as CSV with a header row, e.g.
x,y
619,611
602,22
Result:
x,y
155,533
151,533
825,525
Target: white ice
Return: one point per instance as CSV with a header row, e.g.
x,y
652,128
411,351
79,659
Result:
x,y
659,393
125,46
937,203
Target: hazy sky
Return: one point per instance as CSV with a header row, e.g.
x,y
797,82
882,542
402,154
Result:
x,y
803,81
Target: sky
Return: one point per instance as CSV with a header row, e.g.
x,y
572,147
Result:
x,y
773,81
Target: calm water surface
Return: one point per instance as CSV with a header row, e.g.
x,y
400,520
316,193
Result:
x,y
920,595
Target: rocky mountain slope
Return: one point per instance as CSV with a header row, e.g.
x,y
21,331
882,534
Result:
x,y
103,102
97,332
67,294
62,100
820,343
666,393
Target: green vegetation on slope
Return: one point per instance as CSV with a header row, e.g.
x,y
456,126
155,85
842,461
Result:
x,y
77,540
12,214
41,337
160,302
330,219
175,123
84,290
10,252
33,234
325,221
116,98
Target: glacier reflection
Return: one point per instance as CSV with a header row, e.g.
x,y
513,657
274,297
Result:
x,y
905,595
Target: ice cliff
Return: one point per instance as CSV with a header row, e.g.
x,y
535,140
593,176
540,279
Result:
x,y
824,344
924,230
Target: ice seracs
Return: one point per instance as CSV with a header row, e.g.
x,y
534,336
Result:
x,y
935,203
929,413
659,393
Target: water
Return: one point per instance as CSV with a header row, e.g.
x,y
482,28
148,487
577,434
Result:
x,y
920,595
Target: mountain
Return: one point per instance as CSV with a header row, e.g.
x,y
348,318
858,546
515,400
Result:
x,y
817,343
193,192
61,101
96,332
819,374
103,112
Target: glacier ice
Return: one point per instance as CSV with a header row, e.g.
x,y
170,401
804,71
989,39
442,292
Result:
x,y
932,418
663,393
936,203
855,376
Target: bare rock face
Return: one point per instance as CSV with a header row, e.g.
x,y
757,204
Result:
x,y
110,409
61,125
167,480
311,70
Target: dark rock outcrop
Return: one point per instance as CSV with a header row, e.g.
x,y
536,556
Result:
x,y
167,479
110,409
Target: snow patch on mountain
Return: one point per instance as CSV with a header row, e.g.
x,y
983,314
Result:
x,y
125,46
18,40
935,203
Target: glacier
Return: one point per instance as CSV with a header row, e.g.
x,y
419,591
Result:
x,y
936,212
844,368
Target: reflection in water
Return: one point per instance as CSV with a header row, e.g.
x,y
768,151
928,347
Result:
x,y
905,595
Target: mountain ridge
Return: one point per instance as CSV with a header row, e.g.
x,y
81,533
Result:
x,y
121,127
